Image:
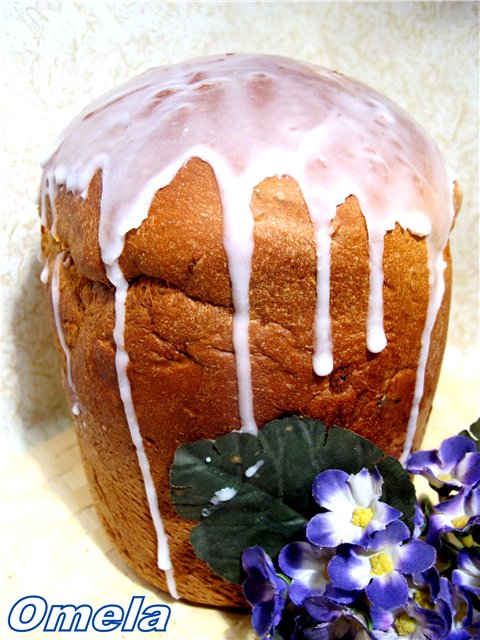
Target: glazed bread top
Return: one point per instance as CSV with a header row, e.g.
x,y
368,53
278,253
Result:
x,y
250,118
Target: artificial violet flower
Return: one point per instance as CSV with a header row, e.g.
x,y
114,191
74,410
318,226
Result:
x,y
265,591
467,576
381,568
354,509
410,622
307,565
457,514
455,464
424,588
464,619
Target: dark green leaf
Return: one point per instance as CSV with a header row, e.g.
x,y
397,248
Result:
x,y
348,451
294,445
251,518
397,489
202,468
475,431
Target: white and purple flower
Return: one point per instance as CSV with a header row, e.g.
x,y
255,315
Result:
x,y
307,566
381,567
464,619
457,514
354,509
409,621
455,464
265,591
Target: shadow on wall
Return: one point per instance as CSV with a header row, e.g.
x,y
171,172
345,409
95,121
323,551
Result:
x,y
40,404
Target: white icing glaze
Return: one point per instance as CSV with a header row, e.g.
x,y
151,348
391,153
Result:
x,y
61,258
224,495
115,276
253,117
251,471
45,273
436,290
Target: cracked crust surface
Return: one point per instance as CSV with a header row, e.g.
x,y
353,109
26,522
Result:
x,y
178,336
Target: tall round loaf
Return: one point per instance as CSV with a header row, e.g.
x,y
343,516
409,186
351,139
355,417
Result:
x,y
228,241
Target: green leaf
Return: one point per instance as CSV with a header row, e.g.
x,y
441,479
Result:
x,y
202,468
258,491
475,431
251,518
398,491
294,445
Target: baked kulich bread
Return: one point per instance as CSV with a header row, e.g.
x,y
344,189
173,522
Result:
x,y
228,241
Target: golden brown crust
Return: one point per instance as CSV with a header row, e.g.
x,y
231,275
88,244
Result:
x,y
178,336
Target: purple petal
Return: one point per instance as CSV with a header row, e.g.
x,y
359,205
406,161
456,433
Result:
x,y
262,618
469,560
299,557
468,470
384,514
261,584
468,573
322,609
419,461
393,534
257,592
382,619
454,507
437,524
298,591
306,565
256,561
473,501
349,571
453,449
330,529
419,521
389,591
415,557
459,634
330,489
342,596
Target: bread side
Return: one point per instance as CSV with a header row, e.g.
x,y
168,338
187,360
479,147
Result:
x,y
178,336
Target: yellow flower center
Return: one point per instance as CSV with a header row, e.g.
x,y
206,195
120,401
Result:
x,y
468,541
381,564
405,625
444,477
462,612
460,522
422,599
361,516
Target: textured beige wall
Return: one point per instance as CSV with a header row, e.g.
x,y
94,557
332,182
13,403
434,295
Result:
x,y
59,56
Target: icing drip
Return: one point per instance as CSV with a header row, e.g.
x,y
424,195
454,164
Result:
x,y
323,353
55,297
251,471
238,243
376,339
436,290
250,118
116,277
45,273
